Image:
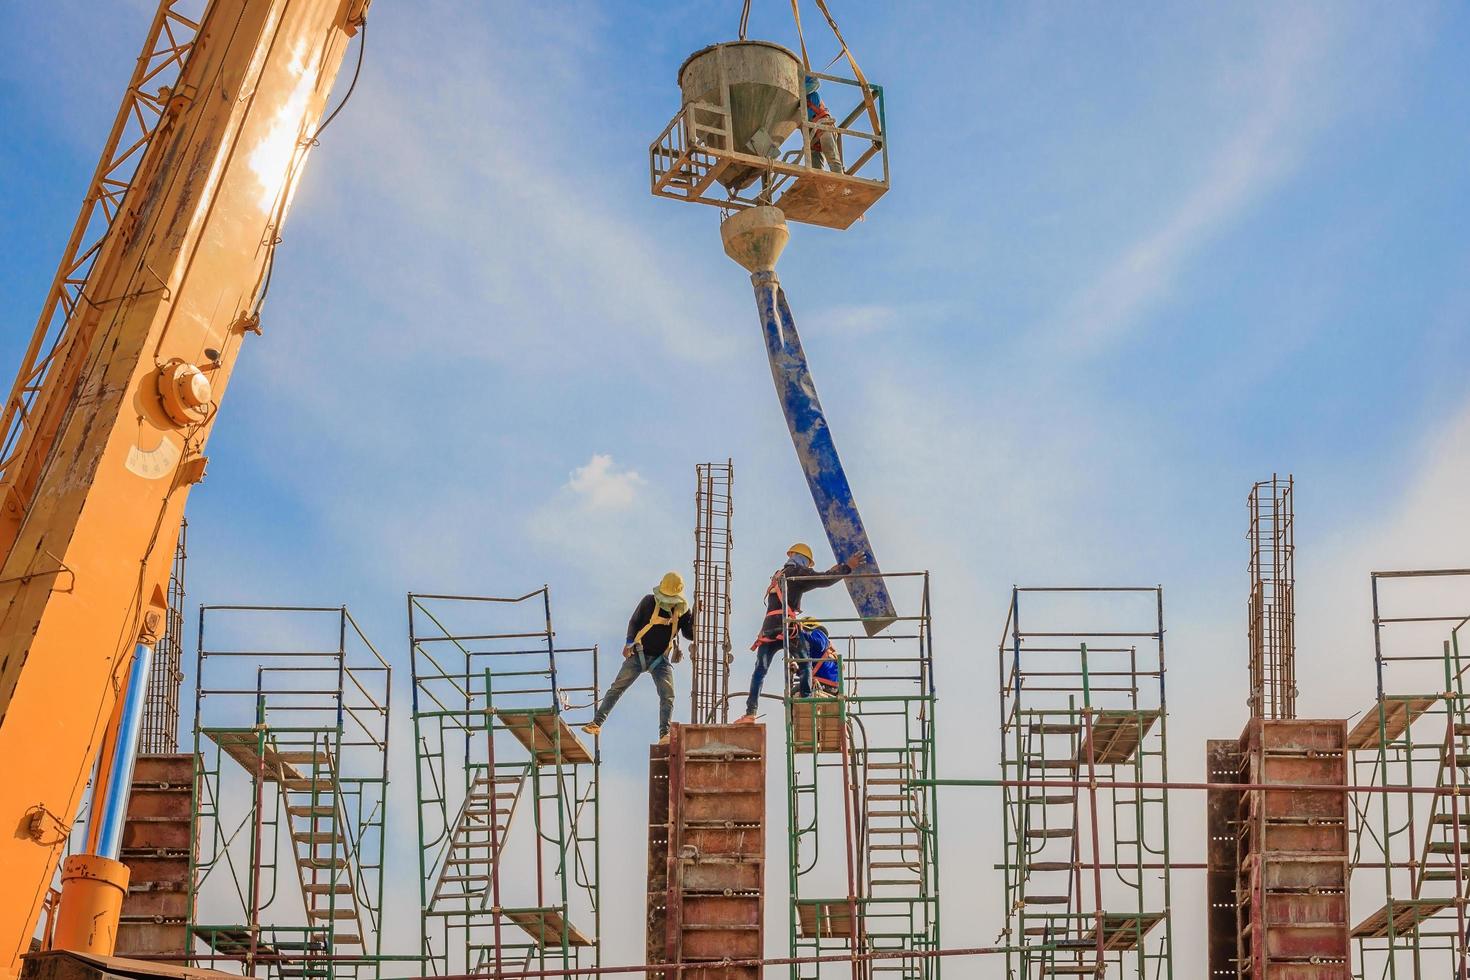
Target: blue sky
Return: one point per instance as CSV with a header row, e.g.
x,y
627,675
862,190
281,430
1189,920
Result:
x,y
1133,259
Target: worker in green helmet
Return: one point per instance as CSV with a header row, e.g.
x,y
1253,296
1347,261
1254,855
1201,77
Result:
x,y
652,647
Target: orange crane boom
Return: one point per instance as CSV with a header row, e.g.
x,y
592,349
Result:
x,y
105,428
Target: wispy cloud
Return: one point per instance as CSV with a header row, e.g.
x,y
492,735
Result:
x,y
853,319
1252,156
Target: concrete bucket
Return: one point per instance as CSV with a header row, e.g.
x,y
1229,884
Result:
x,y
763,82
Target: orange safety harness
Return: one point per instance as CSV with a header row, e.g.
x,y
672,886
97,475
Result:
x,y
771,632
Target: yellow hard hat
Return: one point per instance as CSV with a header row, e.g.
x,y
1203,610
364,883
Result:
x,y
672,585
805,550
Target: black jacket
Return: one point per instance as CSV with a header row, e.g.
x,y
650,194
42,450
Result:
x,y
656,640
800,579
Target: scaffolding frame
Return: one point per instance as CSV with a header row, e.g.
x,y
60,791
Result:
x,y
291,711
1082,697
711,653
493,712
871,747
160,730
1411,848
1271,607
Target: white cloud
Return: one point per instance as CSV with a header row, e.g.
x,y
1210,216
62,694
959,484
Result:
x,y
600,485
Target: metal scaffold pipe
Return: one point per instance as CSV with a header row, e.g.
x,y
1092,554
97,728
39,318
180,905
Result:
x,y
755,238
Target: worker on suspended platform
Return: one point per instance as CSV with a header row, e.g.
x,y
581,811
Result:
x,y
826,151
792,581
652,646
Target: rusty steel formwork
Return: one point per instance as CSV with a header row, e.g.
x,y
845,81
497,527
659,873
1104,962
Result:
x,y
710,654
1271,608
157,847
1280,857
706,851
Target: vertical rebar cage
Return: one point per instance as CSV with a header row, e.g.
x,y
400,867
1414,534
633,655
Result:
x,y
1087,868
160,730
863,832
291,740
713,541
1411,850
1271,611
509,804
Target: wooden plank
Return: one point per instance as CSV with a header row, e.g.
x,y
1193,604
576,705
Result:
x,y
1407,913
68,965
817,726
1116,736
1398,714
827,918
234,942
244,748
1123,930
547,926
545,734
820,197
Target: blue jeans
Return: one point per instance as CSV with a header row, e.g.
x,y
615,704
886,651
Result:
x,y
663,679
765,655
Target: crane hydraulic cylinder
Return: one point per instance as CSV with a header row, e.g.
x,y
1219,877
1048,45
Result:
x,y
755,238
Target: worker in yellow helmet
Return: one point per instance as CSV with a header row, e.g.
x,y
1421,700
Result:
x,y
652,646
783,604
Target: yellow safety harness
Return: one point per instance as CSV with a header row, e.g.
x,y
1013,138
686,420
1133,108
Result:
x,y
673,608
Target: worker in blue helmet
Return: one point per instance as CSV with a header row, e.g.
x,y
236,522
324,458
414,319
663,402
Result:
x,y
826,150
820,658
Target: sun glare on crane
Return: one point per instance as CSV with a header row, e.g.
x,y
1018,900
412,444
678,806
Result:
x,y
271,160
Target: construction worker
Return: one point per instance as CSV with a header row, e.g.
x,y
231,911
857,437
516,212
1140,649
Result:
x,y
825,669
652,645
826,150
792,581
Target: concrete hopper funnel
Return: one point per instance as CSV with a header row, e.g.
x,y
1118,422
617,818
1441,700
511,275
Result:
x,y
751,92
755,237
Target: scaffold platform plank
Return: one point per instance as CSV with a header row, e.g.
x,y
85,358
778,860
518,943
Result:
x,y
826,918
244,746
1406,914
1116,736
817,725
545,734
547,926
1124,930
1399,712
233,941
